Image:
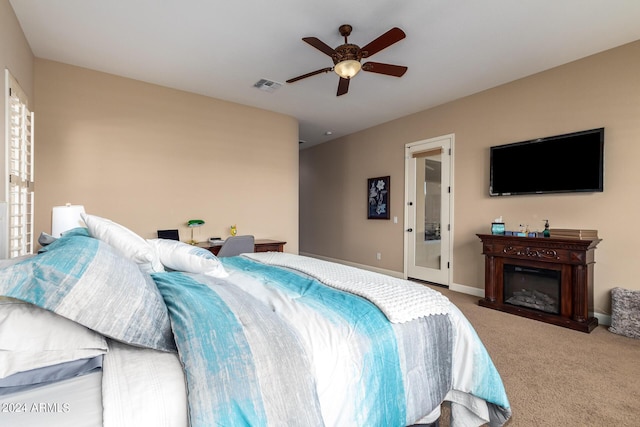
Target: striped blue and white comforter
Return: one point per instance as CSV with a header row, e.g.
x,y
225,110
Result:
x,y
269,345
273,346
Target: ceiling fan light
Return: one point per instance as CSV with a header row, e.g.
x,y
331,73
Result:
x,y
348,68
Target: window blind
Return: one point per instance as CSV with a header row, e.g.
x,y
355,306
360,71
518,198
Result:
x,y
20,187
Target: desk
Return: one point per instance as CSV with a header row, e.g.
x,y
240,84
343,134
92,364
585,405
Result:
x,y
261,245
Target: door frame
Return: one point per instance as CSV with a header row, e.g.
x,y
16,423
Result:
x,y
434,141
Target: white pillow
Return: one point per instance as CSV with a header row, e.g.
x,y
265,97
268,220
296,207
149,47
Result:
x,y
32,337
180,256
124,240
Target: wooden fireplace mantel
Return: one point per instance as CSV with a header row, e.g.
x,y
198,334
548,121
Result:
x,y
574,258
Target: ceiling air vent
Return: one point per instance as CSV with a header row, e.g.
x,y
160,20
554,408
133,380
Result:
x,y
267,85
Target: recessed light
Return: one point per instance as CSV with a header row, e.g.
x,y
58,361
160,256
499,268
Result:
x,y
328,133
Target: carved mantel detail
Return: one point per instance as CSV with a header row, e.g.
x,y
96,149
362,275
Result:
x,y
530,253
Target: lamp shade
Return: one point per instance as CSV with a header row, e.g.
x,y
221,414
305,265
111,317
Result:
x,y
348,68
193,223
64,218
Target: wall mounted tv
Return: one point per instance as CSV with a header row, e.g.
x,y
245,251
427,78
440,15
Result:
x,y
572,162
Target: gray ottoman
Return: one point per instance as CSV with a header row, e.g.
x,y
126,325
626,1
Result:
x,y
625,312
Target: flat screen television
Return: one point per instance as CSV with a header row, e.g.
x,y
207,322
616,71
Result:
x,y
572,162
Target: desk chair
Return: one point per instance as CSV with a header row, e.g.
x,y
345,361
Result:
x,y
236,245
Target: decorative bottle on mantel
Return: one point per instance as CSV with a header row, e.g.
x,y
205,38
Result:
x,y
546,232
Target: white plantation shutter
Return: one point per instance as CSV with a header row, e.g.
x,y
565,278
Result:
x,y
20,184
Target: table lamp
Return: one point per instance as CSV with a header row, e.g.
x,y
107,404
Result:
x,y
193,223
64,218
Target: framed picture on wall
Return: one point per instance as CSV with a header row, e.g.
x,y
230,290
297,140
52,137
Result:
x,y
378,197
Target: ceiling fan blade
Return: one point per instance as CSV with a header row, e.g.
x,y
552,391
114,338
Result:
x,y
320,45
387,39
388,69
313,73
343,86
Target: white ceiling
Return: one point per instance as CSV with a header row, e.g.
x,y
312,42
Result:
x,y
453,48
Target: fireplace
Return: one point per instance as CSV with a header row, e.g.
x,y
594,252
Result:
x,y
536,288
545,279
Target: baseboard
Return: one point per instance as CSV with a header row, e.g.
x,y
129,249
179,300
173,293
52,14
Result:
x,y
470,290
603,319
391,273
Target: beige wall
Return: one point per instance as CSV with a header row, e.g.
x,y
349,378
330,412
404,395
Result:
x,y
16,56
15,53
151,158
601,90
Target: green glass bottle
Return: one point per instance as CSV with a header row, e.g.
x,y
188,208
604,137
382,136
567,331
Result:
x,y
546,232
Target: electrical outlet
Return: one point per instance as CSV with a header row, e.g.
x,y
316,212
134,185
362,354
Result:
x,y
378,256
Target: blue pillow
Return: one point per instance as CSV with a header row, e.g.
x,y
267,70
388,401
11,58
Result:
x,y
91,283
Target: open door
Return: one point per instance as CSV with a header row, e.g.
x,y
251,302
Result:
x,y
428,225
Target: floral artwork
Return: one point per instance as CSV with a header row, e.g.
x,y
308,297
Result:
x,y
378,189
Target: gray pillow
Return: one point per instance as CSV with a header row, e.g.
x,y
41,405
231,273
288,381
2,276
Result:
x,y
625,308
93,284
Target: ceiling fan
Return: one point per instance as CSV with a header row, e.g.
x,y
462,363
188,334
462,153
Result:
x,y
346,57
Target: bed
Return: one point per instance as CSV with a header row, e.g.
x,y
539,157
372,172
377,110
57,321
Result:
x,y
104,328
